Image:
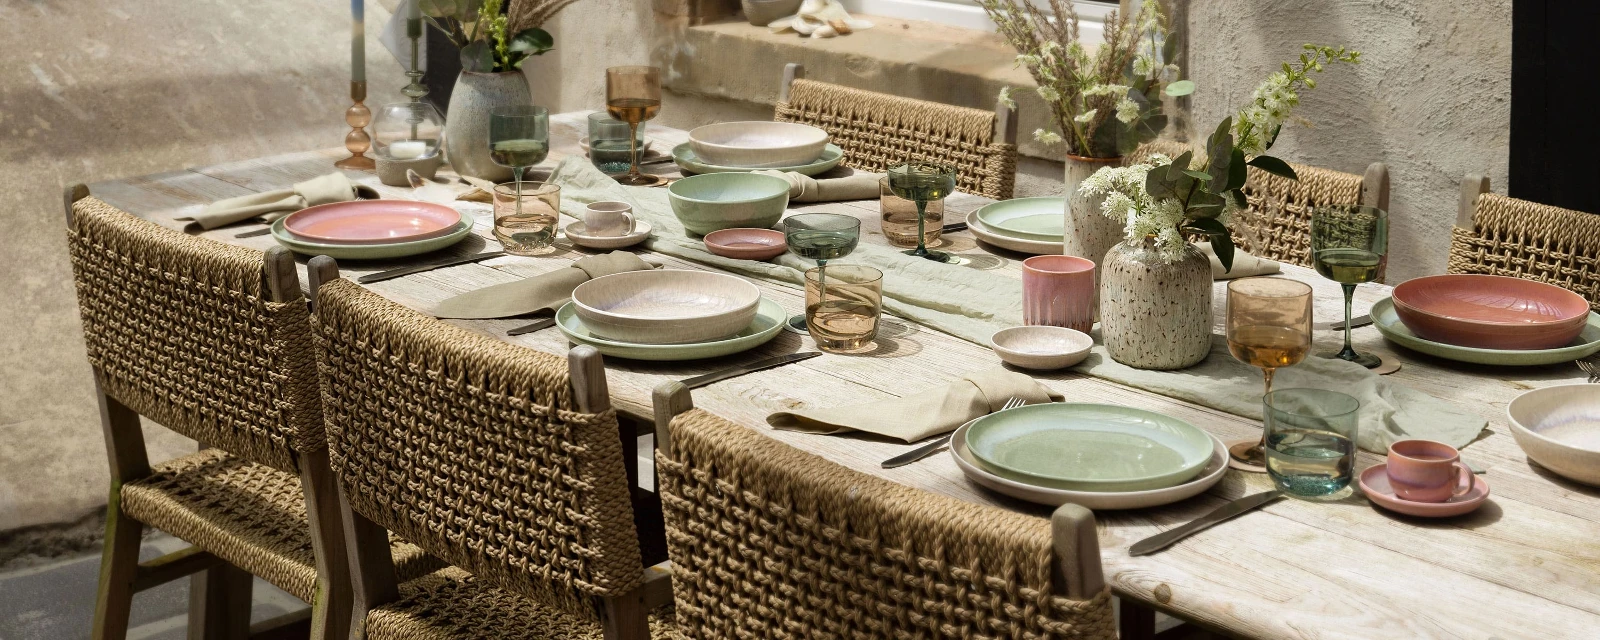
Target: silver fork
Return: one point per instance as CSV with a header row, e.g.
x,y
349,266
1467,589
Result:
x,y
1590,368
937,443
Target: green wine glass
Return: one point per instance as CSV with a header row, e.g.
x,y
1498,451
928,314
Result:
x,y
1350,245
922,183
821,237
519,137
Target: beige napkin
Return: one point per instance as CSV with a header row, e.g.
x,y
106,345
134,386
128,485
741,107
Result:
x,y
1244,264
803,188
539,293
271,205
481,191
919,416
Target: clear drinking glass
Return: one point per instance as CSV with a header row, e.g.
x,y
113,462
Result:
x,y
633,95
519,137
526,216
842,310
1269,326
610,148
1350,244
1311,440
922,183
900,218
821,237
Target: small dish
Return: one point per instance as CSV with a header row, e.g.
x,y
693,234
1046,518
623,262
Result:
x,y
1089,447
1387,322
686,159
1559,428
758,144
379,251
1490,312
1375,483
744,243
768,323
1209,476
666,306
1020,245
575,233
717,201
371,222
1042,219
1041,347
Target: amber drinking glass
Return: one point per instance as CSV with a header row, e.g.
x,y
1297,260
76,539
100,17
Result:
x,y
633,95
922,183
525,217
900,218
821,237
1269,326
843,315
1349,245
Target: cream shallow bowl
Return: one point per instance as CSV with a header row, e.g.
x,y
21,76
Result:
x,y
715,201
666,306
758,144
1041,347
1559,428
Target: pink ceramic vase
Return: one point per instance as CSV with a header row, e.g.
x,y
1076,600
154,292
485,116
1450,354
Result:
x,y
1058,291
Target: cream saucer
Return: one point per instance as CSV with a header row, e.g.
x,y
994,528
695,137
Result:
x,y
575,233
1375,483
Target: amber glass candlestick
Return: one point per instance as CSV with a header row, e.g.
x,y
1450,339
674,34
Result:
x,y
358,116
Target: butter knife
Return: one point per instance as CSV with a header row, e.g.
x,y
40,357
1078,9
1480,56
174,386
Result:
x,y
952,228
419,268
1355,323
1166,538
537,325
734,372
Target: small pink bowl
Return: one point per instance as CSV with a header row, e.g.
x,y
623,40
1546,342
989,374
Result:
x,y
746,244
372,221
1491,312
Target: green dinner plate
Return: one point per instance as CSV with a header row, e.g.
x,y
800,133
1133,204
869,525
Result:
x,y
372,251
1089,447
1029,218
1389,324
769,322
684,156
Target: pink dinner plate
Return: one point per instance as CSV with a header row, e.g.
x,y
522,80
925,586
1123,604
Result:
x,y
1375,483
1490,312
746,244
372,221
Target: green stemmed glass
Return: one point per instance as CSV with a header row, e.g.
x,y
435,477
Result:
x,y
821,237
519,137
1350,245
922,183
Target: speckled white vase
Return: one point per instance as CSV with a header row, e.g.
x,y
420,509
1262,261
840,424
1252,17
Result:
x,y
1088,232
466,128
1155,314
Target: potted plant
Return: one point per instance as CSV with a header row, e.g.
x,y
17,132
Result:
x,y
493,49
1155,295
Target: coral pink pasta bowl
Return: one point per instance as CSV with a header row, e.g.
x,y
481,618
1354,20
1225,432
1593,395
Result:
x,y
1490,312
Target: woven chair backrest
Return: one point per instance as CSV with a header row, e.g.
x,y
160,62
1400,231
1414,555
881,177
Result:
x,y
768,541
1521,239
474,449
877,131
184,331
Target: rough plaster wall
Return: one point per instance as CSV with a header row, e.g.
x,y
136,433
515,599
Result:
x,y
1432,97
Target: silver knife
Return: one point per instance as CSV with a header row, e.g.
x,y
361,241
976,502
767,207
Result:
x,y
252,234
536,325
776,361
419,268
1166,538
1355,323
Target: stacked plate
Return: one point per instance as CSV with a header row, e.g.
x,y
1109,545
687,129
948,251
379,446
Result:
x,y
669,314
372,229
1489,320
1025,225
1097,456
749,146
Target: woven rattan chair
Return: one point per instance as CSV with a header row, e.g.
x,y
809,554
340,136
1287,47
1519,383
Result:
x,y
1278,220
211,341
1502,236
504,461
768,541
877,131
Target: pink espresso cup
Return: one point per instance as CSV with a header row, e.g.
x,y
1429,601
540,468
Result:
x,y
1059,291
1427,471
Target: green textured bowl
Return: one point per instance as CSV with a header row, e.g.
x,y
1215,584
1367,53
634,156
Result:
x,y
372,251
717,201
1388,323
1089,447
769,321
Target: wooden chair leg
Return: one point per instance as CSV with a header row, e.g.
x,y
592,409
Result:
x,y
625,617
219,603
119,564
1135,621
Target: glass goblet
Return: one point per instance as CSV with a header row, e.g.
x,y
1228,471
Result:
x,y
922,182
821,237
1349,245
519,137
1269,326
633,95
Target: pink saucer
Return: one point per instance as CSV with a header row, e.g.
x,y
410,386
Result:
x,y
746,244
372,221
1375,483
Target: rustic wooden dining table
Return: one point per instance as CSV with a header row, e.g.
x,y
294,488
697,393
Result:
x,y
1526,565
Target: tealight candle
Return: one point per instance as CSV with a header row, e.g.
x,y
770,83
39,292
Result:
x,y
406,149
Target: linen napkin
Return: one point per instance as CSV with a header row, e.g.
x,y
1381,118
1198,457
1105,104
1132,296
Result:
x,y
481,191
271,205
1244,264
542,292
922,415
804,188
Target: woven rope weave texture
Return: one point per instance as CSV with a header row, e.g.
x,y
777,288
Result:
x,y
453,604
1532,241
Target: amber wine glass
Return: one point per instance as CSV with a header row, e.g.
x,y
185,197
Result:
x,y
1269,326
633,95
1349,245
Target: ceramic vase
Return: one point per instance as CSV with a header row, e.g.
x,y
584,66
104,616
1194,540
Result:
x,y
1155,314
1088,232
466,130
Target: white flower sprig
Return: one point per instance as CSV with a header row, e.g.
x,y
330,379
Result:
x,y
1127,202
1256,125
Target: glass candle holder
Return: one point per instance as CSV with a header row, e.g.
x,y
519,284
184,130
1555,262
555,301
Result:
x,y
608,143
843,305
528,230
407,131
900,218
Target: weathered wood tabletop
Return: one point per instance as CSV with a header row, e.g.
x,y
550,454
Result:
x,y
1526,565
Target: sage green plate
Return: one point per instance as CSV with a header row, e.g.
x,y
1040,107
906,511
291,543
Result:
x,y
684,156
372,251
1389,324
1089,447
1041,219
769,321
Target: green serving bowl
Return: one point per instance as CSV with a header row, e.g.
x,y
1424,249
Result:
x,y
1089,447
716,201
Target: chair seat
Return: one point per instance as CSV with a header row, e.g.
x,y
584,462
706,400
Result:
x,y
250,515
451,603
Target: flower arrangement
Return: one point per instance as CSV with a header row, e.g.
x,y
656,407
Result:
x,y
1169,197
1106,103
490,41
